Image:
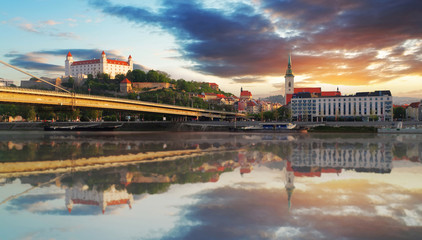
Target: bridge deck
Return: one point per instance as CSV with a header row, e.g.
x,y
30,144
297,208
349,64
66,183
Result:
x,y
43,97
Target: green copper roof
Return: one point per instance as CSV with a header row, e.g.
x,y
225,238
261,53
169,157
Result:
x,y
289,71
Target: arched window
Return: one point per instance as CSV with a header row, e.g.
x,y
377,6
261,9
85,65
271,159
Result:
x,y
290,84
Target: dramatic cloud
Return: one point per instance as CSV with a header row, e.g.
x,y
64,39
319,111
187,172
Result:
x,y
352,43
248,80
29,61
346,209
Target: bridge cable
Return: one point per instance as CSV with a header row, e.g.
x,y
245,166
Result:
x,y
34,76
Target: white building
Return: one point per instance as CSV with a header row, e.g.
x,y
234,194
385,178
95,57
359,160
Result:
x,y
81,69
82,195
5,83
362,105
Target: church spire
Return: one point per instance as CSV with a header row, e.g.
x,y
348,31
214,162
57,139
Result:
x,y
289,71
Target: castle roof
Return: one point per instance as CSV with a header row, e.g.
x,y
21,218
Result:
x,y
69,54
93,61
117,62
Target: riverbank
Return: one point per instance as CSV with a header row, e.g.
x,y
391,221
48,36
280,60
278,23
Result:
x,y
210,126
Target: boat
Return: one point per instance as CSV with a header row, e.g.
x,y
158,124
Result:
x,y
90,127
273,127
400,129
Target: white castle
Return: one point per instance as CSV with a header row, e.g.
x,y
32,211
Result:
x,y
81,69
82,195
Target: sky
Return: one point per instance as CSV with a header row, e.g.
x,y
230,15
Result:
x,y
361,45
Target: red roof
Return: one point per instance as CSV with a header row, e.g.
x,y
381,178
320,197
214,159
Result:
x,y
130,56
86,62
414,105
125,81
212,84
211,94
251,104
69,54
309,90
103,53
117,202
330,94
221,96
117,62
245,93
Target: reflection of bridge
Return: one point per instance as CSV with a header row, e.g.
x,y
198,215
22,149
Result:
x,y
41,97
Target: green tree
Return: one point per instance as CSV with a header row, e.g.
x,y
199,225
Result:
x,y
399,112
284,113
138,76
152,76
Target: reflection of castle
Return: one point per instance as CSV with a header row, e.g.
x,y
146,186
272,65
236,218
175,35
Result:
x,y
82,195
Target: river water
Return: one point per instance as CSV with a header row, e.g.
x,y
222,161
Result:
x,y
167,185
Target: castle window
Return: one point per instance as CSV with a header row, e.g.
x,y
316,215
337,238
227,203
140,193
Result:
x,y
290,84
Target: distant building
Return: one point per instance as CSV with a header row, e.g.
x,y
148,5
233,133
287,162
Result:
x,y
420,111
81,69
5,83
245,95
364,104
412,111
125,86
214,86
38,84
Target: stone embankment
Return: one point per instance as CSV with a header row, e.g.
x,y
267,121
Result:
x,y
194,125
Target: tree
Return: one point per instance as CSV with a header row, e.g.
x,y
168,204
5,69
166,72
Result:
x,y
399,112
153,76
138,76
284,113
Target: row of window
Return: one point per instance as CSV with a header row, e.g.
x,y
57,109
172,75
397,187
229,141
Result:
x,y
339,99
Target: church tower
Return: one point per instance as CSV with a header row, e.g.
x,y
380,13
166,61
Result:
x,y
289,83
67,64
289,185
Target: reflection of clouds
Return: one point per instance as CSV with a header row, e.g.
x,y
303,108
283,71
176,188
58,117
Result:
x,y
349,209
33,203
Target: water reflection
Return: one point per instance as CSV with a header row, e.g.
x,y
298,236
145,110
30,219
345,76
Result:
x,y
274,176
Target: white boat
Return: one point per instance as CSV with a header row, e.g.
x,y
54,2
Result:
x,y
400,129
271,126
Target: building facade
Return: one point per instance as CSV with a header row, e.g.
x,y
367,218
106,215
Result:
x,y
81,69
5,83
377,105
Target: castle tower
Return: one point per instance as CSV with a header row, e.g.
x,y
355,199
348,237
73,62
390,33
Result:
x,y
103,62
67,64
289,83
130,62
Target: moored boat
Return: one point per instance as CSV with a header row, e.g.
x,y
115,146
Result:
x,y
89,127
